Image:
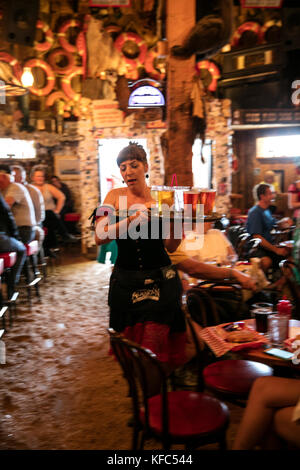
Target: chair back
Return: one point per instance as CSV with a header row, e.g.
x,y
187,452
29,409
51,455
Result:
x,y
141,369
202,307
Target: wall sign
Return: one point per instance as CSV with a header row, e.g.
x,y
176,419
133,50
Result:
x,y
146,96
265,116
106,113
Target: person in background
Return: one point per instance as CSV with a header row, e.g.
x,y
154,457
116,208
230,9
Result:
x,y
9,239
269,178
294,195
212,246
68,205
19,174
19,200
272,416
52,221
260,223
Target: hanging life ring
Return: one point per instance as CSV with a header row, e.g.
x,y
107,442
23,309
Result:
x,y
49,37
81,48
214,71
268,25
119,44
248,26
149,66
59,53
49,75
56,95
15,65
62,35
66,83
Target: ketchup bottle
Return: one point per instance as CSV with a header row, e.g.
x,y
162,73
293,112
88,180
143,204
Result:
x,y
284,307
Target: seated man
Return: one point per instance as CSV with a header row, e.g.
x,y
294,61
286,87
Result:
x,y
260,223
19,174
18,199
9,239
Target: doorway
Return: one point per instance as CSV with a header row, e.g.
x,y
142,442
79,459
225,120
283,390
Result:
x,y
202,171
109,173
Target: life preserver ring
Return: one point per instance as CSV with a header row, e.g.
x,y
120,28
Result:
x,y
149,66
66,83
113,28
81,48
49,37
56,95
268,25
58,53
14,63
124,37
62,35
49,74
248,26
213,70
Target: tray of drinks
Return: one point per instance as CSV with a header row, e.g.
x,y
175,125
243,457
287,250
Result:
x,y
172,215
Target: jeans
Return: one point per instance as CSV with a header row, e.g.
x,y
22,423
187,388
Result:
x,y
27,233
12,244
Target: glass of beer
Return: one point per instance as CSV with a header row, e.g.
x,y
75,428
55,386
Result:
x,y
207,198
166,196
191,198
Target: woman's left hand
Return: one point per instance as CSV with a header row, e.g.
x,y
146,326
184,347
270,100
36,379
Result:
x,y
246,281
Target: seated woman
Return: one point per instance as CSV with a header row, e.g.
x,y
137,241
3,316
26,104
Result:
x,y
272,415
212,246
52,221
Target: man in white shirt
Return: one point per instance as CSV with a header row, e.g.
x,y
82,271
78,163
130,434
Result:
x,y
19,174
19,200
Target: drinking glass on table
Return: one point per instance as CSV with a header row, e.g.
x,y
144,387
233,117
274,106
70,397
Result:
x,y
260,312
278,329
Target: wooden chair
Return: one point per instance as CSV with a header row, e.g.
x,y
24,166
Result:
x,y
172,417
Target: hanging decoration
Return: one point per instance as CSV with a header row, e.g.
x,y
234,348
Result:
x,y
132,64
248,26
272,24
15,65
150,59
214,71
66,84
49,75
62,35
58,53
81,48
49,37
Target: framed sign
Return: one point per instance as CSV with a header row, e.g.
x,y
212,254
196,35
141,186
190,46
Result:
x,y
67,167
109,3
261,3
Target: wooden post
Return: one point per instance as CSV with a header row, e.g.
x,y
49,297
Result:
x,y
181,17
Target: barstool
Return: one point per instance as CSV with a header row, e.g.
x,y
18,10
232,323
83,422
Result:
x,y
9,258
3,308
71,219
32,249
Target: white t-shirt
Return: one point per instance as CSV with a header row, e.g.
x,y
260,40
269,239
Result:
x,y
22,208
211,246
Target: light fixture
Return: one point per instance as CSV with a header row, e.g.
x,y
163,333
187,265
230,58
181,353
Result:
x,y
27,78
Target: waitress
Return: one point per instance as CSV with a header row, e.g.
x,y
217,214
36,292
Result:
x,y
145,290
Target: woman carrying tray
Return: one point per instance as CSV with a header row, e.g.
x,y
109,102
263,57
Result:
x,y
145,290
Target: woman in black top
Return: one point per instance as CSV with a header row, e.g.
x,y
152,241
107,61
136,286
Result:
x,y
145,290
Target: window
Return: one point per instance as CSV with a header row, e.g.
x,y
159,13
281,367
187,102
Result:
x,y
12,148
202,172
280,146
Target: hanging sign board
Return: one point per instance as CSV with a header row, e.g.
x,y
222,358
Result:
x,y
106,113
109,3
261,3
146,96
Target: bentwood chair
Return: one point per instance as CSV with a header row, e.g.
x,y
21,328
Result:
x,y
173,417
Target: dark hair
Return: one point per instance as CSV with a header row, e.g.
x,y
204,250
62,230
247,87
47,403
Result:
x,y
5,169
261,189
133,151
